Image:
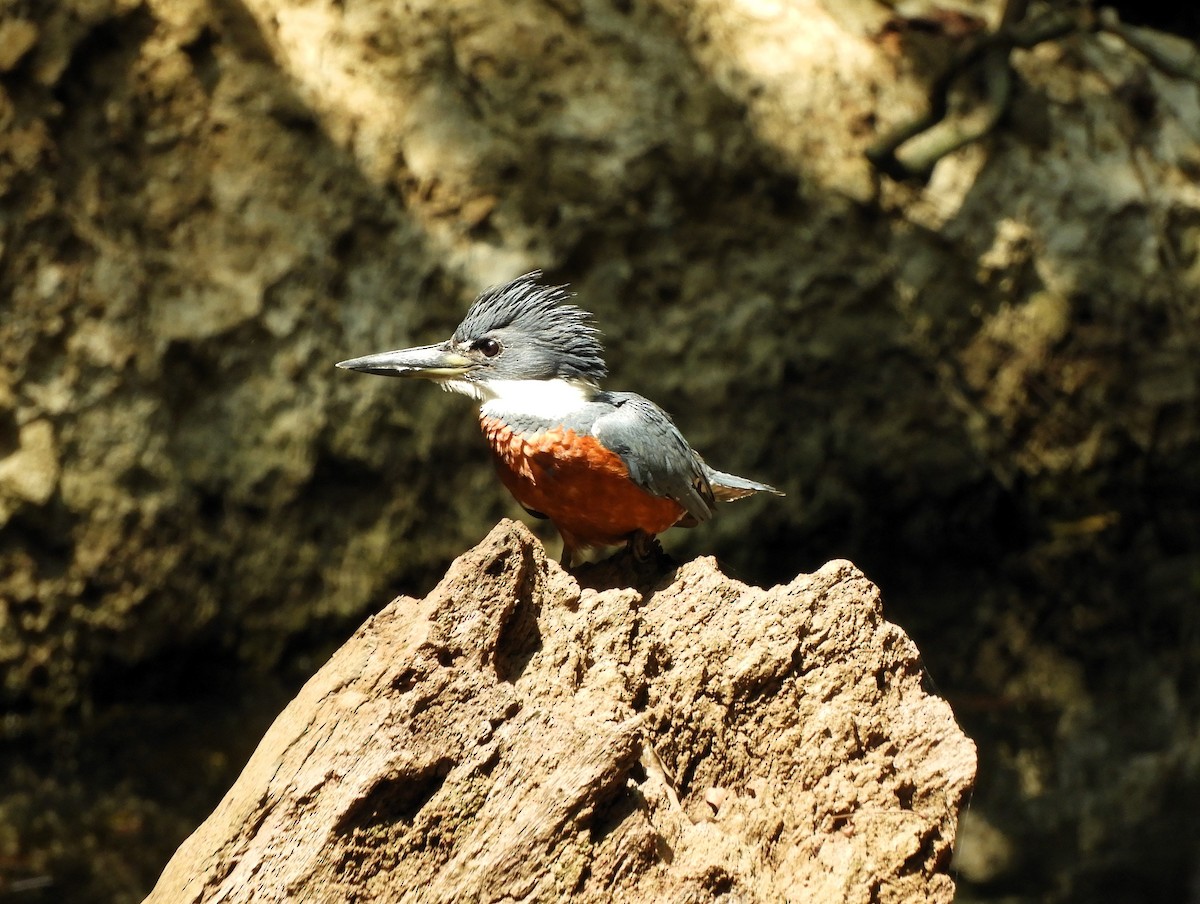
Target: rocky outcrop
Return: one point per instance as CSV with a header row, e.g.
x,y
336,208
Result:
x,y
521,734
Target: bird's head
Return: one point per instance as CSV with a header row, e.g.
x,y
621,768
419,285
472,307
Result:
x,y
513,334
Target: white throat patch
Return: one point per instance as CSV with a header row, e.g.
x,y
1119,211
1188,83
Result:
x,y
535,398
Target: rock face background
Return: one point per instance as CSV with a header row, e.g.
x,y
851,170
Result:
x,y
982,389
513,737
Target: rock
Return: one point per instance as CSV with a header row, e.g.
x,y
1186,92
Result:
x,y
17,38
521,734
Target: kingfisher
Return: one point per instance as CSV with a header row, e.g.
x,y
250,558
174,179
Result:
x,y
606,468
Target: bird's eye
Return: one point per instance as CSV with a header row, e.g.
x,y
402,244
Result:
x,y
489,346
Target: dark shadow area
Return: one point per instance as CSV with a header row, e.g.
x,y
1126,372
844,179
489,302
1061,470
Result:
x,y
1179,18
100,801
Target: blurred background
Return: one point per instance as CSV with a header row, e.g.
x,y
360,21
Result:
x,y
968,357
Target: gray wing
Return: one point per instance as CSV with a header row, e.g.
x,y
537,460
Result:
x,y
659,459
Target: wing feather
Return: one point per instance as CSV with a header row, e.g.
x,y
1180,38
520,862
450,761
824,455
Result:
x,y
659,459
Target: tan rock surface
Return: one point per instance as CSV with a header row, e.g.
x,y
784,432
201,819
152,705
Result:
x,y
515,737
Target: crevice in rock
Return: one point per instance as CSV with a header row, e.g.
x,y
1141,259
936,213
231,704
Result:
x,y
396,798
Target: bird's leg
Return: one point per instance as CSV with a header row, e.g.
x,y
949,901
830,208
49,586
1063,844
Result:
x,y
570,549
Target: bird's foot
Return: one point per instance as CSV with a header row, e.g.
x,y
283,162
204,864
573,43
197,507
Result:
x,y
640,563
645,556
644,547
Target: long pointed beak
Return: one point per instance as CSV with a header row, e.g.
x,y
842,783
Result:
x,y
433,362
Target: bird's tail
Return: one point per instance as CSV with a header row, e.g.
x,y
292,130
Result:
x,y
728,487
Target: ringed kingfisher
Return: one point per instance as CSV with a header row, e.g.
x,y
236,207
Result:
x,y
605,467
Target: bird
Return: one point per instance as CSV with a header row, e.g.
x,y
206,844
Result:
x,y
606,468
